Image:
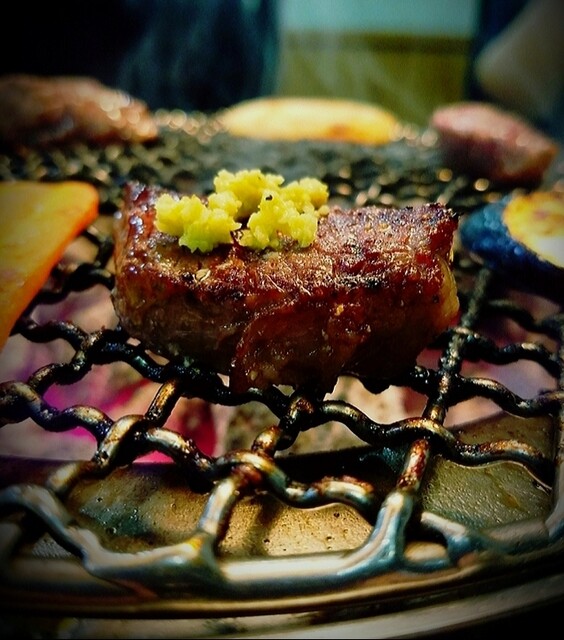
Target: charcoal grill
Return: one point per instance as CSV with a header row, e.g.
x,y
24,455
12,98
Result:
x,y
421,516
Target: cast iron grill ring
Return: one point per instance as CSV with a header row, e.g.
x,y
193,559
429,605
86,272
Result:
x,y
187,157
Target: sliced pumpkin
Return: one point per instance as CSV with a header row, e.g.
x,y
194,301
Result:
x,y
38,220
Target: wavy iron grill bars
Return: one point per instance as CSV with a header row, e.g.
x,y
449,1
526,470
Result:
x,y
385,483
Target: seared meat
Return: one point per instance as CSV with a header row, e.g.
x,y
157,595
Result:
x,y
365,298
40,111
486,141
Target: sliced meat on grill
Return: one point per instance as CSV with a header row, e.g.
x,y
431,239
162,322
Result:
x,y
366,297
485,141
38,111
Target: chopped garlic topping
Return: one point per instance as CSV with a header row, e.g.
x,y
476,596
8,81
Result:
x,y
254,207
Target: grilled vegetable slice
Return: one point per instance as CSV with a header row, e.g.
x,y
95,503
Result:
x,y
521,237
37,222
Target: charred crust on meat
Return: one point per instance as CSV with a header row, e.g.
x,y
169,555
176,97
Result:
x,y
373,289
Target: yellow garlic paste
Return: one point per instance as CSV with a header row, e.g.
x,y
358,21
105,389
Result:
x,y
255,207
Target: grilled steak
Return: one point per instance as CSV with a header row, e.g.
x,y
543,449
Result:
x,y
41,112
365,298
488,142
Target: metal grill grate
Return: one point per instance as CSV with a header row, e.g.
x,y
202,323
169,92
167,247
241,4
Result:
x,y
419,509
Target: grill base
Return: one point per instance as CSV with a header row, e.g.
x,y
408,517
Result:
x,y
428,524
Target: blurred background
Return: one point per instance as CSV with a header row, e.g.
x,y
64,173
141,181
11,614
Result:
x,y
406,56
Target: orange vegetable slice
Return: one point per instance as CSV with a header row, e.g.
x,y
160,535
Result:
x,y
37,222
